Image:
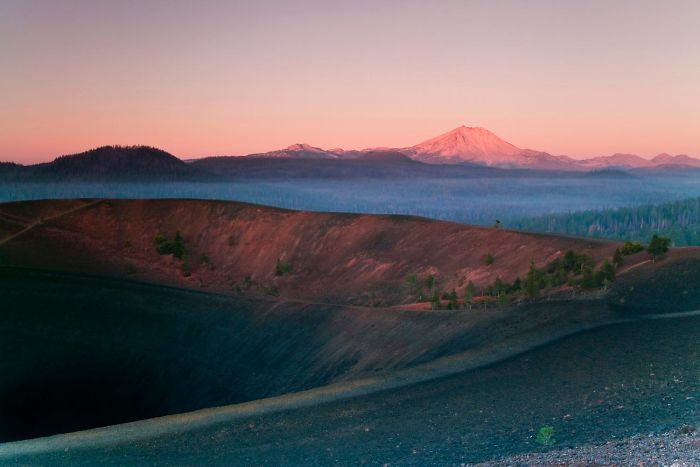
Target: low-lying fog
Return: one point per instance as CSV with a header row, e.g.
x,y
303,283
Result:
x,y
467,200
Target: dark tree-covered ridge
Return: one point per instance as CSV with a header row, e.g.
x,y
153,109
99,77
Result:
x,y
679,221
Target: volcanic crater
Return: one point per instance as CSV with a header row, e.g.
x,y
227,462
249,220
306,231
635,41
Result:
x,y
122,332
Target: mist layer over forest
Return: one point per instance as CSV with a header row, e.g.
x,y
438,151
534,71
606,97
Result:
x,y
468,200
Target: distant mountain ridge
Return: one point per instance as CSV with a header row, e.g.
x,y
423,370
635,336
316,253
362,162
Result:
x,y
682,160
479,146
617,161
298,151
464,146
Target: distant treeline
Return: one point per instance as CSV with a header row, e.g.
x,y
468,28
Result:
x,y
679,220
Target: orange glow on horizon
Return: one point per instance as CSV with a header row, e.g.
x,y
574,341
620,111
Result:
x,y
581,80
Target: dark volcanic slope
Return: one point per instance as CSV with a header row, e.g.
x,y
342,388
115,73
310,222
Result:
x,y
345,258
89,351
670,284
599,385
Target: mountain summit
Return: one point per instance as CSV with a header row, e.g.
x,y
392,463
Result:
x,y
467,144
298,151
480,146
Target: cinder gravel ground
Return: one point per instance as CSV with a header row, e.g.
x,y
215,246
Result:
x,y
677,448
602,385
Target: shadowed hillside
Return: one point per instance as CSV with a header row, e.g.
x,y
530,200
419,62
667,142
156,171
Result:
x,y
667,285
114,351
113,163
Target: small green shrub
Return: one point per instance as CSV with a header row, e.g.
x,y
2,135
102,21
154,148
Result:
x,y
469,293
617,260
435,303
453,304
248,282
630,248
545,435
411,282
533,281
204,259
282,268
497,288
160,242
658,246
488,259
502,298
175,247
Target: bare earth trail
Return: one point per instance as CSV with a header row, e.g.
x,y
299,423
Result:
x,y
41,221
633,266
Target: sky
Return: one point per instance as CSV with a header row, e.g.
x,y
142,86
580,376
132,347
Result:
x,y
227,77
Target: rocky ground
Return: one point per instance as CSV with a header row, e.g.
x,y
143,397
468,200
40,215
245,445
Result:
x,y
677,448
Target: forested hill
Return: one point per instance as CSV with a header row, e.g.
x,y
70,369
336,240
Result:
x,y
108,164
678,220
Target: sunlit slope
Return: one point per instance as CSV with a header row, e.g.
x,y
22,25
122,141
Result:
x,y
249,249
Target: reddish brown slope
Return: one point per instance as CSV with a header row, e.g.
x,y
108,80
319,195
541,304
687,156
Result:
x,y
333,257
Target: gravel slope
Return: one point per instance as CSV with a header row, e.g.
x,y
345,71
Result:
x,y
677,448
604,384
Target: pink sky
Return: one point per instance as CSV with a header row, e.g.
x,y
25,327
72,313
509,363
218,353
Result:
x,y
221,77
